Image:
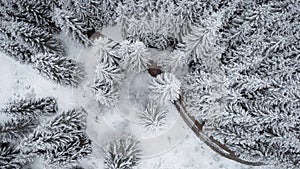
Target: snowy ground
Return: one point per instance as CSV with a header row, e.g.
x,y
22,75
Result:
x,y
175,147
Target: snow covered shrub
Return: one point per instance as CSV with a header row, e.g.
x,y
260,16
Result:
x,y
59,69
165,87
153,117
124,153
134,56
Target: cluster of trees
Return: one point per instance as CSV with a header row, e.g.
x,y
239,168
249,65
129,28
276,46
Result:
x,y
108,73
243,59
244,80
26,135
162,23
116,60
28,33
164,89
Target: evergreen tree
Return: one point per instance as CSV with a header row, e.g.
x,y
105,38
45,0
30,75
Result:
x,y
153,117
163,23
109,72
105,92
93,13
104,49
82,10
15,49
203,93
134,56
7,154
32,107
60,139
34,12
32,37
165,87
108,11
172,61
26,112
148,28
201,43
124,153
73,26
79,145
11,158
107,77
59,69
16,129
74,119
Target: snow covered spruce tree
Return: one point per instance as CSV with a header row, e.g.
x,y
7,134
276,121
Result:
x,y
172,61
33,37
148,29
21,41
32,107
201,43
58,140
74,27
10,157
134,56
15,49
25,117
154,117
165,87
124,153
60,69
105,92
108,74
86,12
15,129
108,11
34,12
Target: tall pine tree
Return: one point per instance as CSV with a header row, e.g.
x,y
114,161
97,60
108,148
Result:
x,y
33,37
60,69
74,27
